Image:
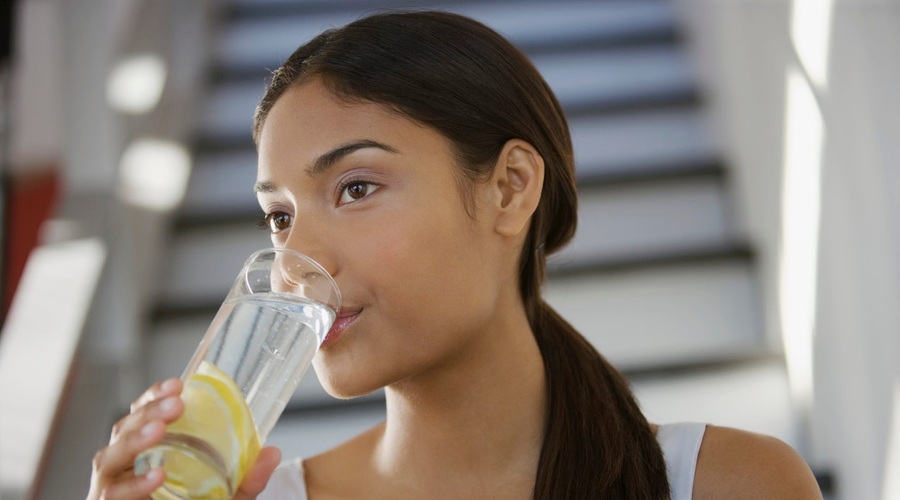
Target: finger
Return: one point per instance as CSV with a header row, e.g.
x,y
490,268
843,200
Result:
x,y
159,390
135,487
256,479
166,410
118,458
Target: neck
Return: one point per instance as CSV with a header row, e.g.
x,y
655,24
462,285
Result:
x,y
476,421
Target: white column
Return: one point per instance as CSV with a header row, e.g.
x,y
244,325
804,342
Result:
x,y
821,189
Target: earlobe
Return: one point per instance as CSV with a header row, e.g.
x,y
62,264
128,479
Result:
x,y
518,179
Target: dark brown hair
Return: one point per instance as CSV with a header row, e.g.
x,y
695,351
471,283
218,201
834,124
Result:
x,y
470,84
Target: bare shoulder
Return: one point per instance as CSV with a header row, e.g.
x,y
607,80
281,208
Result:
x,y
741,465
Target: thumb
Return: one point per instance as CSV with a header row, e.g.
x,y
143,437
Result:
x,y
255,481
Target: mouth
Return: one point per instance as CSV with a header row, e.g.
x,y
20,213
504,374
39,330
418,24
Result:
x,y
341,323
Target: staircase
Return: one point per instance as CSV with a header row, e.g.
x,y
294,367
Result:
x,y
658,277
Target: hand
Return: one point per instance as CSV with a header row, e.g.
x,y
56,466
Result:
x,y
113,467
113,475
255,481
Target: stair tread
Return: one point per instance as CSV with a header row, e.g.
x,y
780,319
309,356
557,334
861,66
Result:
x,y
692,312
649,219
260,40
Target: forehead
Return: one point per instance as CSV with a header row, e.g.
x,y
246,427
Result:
x,y
308,121
308,112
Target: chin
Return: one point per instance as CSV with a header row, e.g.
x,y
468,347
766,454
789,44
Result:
x,y
349,386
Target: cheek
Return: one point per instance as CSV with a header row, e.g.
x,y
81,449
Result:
x,y
426,255
427,291
431,275
381,256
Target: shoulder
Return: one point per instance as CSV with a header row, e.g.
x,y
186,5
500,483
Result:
x,y
742,465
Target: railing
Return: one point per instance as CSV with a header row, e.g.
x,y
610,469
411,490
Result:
x,y
37,352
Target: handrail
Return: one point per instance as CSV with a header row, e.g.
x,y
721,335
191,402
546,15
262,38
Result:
x,y
37,352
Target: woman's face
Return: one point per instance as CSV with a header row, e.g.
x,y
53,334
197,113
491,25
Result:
x,y
374,197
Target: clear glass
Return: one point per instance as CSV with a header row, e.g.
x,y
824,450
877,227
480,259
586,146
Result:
x,y
243,373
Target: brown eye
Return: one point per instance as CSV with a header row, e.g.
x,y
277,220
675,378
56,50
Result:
x,y
278,221
357,190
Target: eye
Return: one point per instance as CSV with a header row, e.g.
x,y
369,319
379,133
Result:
x,y
356,190
276,222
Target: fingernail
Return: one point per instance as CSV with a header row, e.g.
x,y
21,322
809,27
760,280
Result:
x,y
149,429
168,404
153,475
168,385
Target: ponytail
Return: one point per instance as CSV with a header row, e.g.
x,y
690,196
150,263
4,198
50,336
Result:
x,y
597,442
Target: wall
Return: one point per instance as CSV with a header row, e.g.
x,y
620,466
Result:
x,y
803,92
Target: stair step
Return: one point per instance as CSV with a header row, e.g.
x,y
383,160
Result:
x,y
595,79
264,34
752,396
603,77
647,220
666,315
221,185
633,144
203,262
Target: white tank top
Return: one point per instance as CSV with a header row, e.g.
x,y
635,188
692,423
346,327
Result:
x,y
680,444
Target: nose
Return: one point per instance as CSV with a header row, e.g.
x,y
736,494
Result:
x,y
312,242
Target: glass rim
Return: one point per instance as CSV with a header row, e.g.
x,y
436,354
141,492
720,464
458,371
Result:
x,y
337,291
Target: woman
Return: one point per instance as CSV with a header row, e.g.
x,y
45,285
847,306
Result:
x,y
424,162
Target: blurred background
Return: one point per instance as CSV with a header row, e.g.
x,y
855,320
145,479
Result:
x,y
737,252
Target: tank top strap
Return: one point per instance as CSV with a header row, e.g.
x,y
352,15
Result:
x,y
680,443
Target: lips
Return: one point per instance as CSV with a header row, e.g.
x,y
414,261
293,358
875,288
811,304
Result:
x,y
343,321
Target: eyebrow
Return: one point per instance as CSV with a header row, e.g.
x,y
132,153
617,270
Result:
x,y
329,159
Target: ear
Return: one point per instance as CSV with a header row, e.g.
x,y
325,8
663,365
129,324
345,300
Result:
x,y
517,182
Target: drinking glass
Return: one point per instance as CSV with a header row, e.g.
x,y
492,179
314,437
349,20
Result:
x,y
243,373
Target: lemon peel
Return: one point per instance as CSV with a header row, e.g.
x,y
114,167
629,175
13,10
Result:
x,y
216,422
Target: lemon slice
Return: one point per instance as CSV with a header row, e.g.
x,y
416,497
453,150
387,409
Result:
x,y
217,434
